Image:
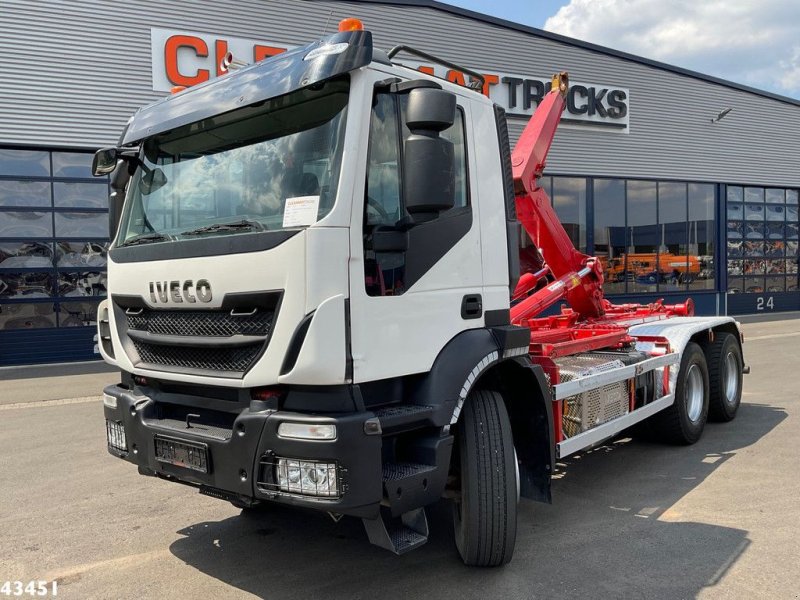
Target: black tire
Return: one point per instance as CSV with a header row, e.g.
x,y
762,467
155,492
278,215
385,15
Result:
x,y
485,516
725,364
677,424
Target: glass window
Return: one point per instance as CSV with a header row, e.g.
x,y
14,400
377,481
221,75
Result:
x,y
775,267
569,202
775,196
642,237
774,231
791,196
675,266
775,212
791,223
455,134
26,285
79,284
735,230
754,194
773,249
609,232
735,211
383,204
27,316
26,224
753,249
81,254
77,314
383,272
81,224
754,285
260,165
735,279
72,164
383,175
735,193
776,284
702,234
15,255
753,212
76,194
33,265
27,163
25,193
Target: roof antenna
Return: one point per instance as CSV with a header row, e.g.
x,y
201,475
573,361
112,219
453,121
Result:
x,y
325,29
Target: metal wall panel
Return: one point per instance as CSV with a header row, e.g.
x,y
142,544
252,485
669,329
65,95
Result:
x,y
79,69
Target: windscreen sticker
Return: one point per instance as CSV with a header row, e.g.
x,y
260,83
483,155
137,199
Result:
x,y
300,211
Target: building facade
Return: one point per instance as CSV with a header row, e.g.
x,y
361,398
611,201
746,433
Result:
x,y
683,184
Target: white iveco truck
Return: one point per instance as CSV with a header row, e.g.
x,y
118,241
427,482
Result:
x,y
315,300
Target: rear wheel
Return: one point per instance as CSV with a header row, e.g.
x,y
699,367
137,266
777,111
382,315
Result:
x,y
724,357
684,421
485,515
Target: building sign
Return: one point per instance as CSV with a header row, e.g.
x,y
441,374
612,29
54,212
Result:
x,y
185,59
587,103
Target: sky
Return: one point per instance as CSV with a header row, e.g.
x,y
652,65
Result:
x,y
756,43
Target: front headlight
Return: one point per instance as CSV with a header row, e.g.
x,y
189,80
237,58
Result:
x,y
307,477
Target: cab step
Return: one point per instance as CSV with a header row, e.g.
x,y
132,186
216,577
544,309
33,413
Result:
x,y
404,471
399,535
401,416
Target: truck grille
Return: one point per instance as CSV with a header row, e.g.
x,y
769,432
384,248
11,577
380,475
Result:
x,y
237,359
201,323
225,341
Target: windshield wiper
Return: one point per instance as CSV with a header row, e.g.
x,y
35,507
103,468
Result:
x,y
243,225
146,238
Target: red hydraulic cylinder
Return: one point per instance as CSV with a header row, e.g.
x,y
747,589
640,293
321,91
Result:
x,y
548,295
536,213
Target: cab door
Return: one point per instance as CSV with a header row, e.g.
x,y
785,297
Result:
x,y
414,285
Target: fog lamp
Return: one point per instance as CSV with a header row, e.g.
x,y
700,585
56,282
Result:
x,y
115,434
307,431
307,477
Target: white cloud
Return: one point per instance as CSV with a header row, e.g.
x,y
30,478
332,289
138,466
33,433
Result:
x,y
755,43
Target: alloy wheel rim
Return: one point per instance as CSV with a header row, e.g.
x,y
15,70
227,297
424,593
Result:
x,y
731,378
694,393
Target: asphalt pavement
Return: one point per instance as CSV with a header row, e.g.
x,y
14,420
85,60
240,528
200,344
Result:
x,y
632,519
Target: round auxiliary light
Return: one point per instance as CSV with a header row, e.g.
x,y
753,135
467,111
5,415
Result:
x,y
351,24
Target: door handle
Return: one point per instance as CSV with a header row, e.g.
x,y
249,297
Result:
x,y
472,306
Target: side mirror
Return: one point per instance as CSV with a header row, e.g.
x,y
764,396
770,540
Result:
x,y
429,159
105,161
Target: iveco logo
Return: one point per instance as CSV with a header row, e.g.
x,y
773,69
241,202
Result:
x,y
180,291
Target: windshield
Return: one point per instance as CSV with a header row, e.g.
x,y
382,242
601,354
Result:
x,y
261,168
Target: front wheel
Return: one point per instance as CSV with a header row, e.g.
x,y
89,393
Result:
x,y
485,515
684,421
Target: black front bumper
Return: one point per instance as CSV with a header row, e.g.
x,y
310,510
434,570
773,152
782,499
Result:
x,y
241,458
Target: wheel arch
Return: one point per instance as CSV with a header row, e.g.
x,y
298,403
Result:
x,y
705,337
526,395
496,358
681,330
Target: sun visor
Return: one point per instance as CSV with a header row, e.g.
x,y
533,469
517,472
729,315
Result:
x,y
297,68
